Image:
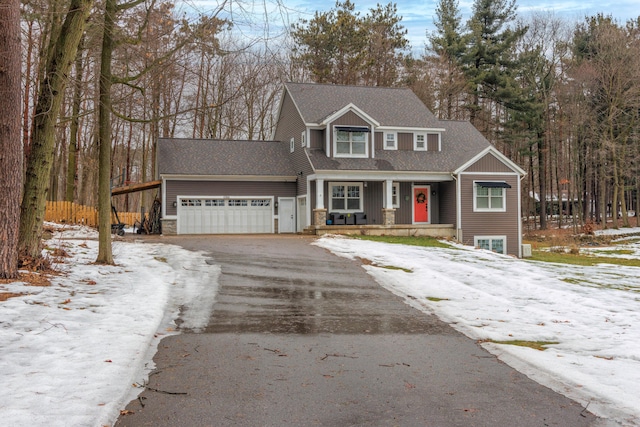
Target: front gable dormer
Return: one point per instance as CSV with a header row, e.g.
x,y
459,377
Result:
x,y
349,133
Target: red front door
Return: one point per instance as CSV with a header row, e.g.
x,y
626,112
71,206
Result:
x,y
420,205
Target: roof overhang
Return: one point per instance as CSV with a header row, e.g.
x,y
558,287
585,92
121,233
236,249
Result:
x,y
410,129
270,178
491,149
352,175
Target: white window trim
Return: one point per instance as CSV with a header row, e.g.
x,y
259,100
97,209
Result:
x,y
352,184
292,144
475,200
335,144
415,141
491,239
303,139
395,140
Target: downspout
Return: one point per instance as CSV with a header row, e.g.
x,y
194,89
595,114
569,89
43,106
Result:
x,y
458,210
520,216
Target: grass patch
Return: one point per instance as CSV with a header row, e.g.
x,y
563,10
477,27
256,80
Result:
x,y
393,267
577,259
434,299
613,252
160,258
429,242
537,345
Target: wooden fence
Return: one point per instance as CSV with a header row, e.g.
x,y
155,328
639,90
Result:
x,y
73,213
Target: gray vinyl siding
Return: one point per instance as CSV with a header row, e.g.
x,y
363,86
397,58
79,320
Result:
x,y
447,197
290,125
378,141
432,142
176,188
404,211
489,163
373,202
405,141
316,138
490,223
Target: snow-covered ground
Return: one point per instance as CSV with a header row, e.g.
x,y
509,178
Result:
x,y
72,353
592,313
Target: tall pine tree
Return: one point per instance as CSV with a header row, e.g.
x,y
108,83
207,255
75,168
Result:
x,y
489,60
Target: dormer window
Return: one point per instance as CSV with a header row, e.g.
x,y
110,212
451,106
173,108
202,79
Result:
x,y
351,141
420,142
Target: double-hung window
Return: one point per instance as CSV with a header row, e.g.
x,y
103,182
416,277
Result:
x,y
346,196
489,196
420,142
390,141
351,143
491,243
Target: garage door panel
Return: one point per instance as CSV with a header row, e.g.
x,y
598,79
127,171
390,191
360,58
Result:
x,y
217,216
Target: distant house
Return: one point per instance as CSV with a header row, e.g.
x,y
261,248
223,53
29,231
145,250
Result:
x,y
346,159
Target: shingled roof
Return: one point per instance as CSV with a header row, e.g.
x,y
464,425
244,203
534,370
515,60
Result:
x,y
461,141
220,157
388,106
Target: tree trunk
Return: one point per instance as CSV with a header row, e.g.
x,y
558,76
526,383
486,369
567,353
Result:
x,y
105,255
542,180
10,136
72,165
50,95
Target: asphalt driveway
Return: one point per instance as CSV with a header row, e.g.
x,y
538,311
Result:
x,y
300,337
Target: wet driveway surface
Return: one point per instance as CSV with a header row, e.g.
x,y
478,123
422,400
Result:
x,y
300,337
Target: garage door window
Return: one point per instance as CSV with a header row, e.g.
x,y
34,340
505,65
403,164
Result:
x,y
238,202
191,202
261,202
214,202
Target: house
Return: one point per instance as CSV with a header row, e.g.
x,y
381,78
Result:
x,y
347,159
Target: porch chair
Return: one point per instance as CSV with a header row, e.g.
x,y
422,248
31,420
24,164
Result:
x,y
360,218
337,219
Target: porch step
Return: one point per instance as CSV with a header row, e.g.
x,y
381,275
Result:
x,y
309,231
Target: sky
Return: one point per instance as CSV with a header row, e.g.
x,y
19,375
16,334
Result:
x,y
418,15
76,352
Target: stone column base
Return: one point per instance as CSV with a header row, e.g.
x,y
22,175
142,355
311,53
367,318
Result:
x,y
388,216
320,217
169,226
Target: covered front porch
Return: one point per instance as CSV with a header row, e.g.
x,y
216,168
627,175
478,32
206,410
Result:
x,y
378,204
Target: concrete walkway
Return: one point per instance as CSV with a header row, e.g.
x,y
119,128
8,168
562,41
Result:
x,y
300,337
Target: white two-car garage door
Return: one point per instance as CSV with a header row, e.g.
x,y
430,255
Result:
x,y
225,216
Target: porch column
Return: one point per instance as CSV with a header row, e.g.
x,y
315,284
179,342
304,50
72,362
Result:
x,y
388,211
319,193
319,211
388,194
